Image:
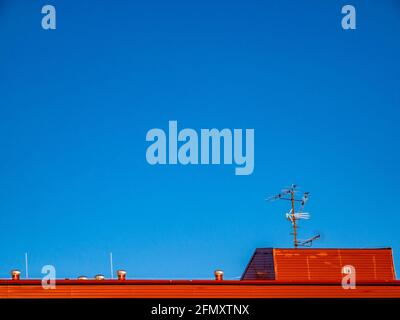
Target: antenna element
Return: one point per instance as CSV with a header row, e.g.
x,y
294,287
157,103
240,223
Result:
x,y
289,194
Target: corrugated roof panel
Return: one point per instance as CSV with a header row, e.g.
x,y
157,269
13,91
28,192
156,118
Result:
x,y
28,289
327,264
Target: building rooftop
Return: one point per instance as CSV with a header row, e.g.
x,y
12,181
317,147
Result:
x,y
271,273
320,264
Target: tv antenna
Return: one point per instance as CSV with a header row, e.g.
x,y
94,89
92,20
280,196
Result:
x,y
290,194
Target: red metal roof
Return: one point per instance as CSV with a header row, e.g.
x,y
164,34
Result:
x,y
81,289
293,273
320,264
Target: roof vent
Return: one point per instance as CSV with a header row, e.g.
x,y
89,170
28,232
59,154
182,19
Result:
x,y
15,275
219,275
82,278
121,274
99,277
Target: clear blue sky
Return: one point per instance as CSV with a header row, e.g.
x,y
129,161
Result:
x,y
76,104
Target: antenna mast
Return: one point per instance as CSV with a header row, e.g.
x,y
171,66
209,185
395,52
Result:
x,y
292,199
111,266
289,194
26,265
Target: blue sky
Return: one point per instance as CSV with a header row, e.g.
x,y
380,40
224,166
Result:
x,y
76,104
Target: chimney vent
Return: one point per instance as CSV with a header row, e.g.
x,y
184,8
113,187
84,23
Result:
x,y
219,275
15,275
121,274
